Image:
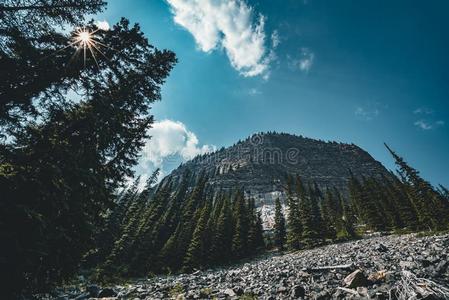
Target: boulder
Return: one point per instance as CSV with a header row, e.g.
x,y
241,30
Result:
x,y
406,265
83,296
107,292
355,279
93,290
229,292
381,248
297,292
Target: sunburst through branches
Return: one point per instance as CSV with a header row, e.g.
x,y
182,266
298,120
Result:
x,y
86,41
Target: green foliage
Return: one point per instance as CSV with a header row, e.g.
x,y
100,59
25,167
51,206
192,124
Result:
x,y
173,229
189,229
280,230
64,160
197,249
294,229
248,296
431,207
176,290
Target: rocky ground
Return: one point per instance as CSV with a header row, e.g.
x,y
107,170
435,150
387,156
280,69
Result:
x,y
385,267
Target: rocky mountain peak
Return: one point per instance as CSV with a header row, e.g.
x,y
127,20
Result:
x,y
261,163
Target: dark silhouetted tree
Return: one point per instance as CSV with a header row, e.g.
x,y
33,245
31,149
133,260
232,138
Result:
x,y
280,230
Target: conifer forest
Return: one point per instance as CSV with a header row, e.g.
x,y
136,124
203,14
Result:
x,y
103,196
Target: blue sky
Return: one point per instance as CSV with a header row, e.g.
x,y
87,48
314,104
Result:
x,y
363,72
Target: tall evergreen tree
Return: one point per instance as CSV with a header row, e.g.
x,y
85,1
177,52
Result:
x,y
61,168
196,255
241,226
346,230
315,213
280,230
222,240
444,192
431,210
328,215
309,232
255,231
294,229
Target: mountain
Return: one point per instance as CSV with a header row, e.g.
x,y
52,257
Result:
x,y
260,165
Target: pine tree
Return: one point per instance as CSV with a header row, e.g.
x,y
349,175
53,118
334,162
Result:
x,y
255,231
348,220
431,210
240,232
405,213
147,239
259,241
372,212
315,213
120,251
196,255
444,192
294,231
62,166
280,231
309,232
328,216
222,240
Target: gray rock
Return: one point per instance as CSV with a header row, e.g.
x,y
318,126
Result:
x,y
406,264
297,292
319,162
93,290
381,248
229,292
355,279
441,267
283,276
107,292
83,296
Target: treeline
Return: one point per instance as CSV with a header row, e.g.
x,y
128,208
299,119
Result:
x,y
313,216
175,229
169,228
405,202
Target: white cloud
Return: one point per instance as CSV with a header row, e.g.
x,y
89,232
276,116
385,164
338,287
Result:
x,y
275,39
254,92
230,25
428,125
306,61
428,119
303,62
423,125
171,138
366,114
423,110
103,25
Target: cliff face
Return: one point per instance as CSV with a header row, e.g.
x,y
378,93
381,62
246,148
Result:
x,y
260,165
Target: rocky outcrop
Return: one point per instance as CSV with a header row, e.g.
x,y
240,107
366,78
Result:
x,y
353,270
260,165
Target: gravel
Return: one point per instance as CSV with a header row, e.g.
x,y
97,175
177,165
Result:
x,y
379,264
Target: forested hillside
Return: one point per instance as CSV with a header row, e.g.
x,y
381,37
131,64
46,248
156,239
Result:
x,y
75,115
177,229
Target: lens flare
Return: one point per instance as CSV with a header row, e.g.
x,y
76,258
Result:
x,y
85,40
84,37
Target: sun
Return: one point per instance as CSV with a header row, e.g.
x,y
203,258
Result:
x,y
84,37
85,40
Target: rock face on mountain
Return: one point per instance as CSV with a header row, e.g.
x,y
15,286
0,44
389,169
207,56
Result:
x,y
260,165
